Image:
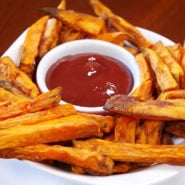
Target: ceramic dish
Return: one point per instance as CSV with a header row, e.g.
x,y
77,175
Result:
x,y
156,175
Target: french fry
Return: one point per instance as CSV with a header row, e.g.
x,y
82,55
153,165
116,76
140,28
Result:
x,y
183,66
89,160
82,22
106,122
127,152
119,23
39,116
131,106
174,67
13,75
31,46
164,78
62,129
50,37
166,139
42,102
125,129
176,52
8,96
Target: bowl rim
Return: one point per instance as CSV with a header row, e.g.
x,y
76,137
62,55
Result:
x,y
76,47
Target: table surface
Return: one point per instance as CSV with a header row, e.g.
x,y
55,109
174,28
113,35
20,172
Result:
x,y
166,17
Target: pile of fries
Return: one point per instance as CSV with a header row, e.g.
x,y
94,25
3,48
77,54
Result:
x,y
140,128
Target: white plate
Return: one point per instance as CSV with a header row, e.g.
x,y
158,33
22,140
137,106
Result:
x,y
156,175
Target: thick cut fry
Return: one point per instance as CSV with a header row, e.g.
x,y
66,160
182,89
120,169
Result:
x,y
11,74
174,67
106,122
176,128
119,23
164,79
62,129
151,132
131,106
82,22
89,160
125,129
33,118
126,152
176,52
31,46
180,93
51,34
42,102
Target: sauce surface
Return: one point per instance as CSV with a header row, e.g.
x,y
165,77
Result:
x,y
89,79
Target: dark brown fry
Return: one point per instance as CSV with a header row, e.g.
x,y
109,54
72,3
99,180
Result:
x,y
131,106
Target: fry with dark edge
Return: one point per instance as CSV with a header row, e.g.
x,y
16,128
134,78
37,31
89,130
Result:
x,y
127,152
89,160
131,106
41,102
11,74
80,21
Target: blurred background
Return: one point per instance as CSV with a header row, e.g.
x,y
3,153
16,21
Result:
x,y
166,17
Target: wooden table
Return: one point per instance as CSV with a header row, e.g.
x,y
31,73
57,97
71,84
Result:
x,y
166,17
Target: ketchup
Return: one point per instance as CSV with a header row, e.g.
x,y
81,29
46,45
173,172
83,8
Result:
x,y
89,79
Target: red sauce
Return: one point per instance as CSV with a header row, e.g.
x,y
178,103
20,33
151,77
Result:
x,y
89,79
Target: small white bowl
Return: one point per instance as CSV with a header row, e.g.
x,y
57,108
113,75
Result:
x,y
86,46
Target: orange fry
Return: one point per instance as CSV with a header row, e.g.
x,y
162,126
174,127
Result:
x,y
62,129
31,46
89,160
126,152
39,116
12,75
42,102
82,22
131,106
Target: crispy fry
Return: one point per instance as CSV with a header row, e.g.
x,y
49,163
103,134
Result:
x,y
8,96
126,152
31,46
42,102
50,37
62,129
175,94
125,129
89,160
106,122
82,22
33,118
131,106
13,75
164,79
175,68
183,66
119,23
176,52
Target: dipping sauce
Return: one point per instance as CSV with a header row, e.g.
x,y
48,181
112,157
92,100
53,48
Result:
x,y
89,79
